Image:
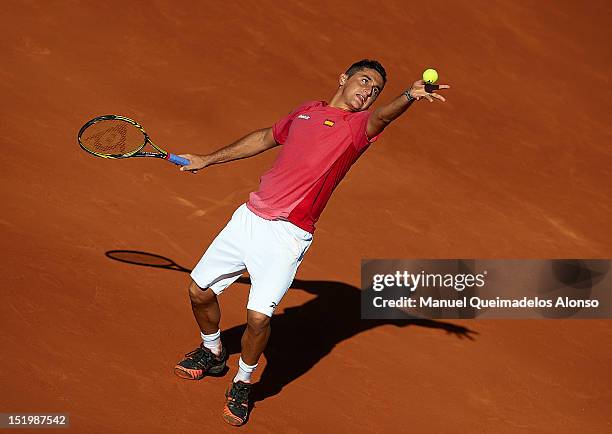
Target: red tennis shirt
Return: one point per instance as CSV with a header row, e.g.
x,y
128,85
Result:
x,y
320,144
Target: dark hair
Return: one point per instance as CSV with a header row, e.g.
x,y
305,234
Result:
x,y
370,64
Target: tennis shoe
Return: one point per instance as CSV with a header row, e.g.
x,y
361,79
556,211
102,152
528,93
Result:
x,y
201,362
236,410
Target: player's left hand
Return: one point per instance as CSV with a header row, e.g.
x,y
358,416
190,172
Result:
x,y
420,90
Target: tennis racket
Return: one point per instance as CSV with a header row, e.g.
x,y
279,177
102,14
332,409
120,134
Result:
x,y
113,136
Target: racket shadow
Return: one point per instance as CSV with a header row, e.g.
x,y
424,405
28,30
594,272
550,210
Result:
x,y
305,334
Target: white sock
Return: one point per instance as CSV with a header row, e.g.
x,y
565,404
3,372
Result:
x,y
212,342
244,371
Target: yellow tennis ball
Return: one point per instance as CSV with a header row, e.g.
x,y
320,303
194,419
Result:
x,y
430,76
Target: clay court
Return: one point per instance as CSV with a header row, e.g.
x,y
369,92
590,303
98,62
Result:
x,y
516,164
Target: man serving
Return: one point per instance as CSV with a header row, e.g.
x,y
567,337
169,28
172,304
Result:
x,y
270,234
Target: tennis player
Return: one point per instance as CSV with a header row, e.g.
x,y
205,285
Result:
x,y
269,235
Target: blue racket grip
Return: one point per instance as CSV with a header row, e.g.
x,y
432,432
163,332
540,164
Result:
x,y
180,161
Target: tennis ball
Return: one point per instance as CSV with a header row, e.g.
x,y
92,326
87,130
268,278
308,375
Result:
x,y
430,76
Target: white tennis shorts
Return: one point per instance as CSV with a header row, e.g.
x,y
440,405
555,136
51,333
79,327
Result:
x,y
270,250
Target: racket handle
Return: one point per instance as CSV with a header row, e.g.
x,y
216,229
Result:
x,y
180,161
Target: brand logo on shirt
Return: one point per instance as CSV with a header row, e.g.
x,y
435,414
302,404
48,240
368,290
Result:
x,y
303,117
328,123
273,305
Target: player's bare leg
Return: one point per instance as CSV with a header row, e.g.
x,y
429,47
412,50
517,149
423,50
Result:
x,y
205,308
210,357
255,337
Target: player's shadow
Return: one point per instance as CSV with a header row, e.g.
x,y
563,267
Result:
x,y
302,335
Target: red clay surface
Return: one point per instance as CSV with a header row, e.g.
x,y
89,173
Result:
x,y
517,164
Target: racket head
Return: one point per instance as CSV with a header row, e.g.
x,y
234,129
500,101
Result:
x,y
112,136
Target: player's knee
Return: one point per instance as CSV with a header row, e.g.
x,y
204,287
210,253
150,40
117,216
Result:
x,y
199,296
257,322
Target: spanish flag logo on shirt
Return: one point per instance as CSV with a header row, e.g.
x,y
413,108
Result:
x,y
328,123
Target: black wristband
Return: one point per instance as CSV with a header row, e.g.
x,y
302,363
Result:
x,y
410,97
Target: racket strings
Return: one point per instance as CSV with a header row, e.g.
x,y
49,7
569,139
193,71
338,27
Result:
x,y
113,137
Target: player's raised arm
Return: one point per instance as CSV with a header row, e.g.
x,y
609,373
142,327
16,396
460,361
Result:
x,y
383,116
249,145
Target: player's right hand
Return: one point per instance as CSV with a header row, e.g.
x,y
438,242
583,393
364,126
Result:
x,y
196,162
